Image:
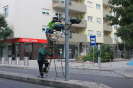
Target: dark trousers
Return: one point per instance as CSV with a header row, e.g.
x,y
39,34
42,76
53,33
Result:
x,y
40,64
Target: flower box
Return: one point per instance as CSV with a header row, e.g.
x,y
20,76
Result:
x,y
75,21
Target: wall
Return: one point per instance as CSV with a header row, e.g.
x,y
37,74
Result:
x,y
10,18
95,13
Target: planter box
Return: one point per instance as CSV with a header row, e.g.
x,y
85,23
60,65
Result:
x,y
75,21
58,27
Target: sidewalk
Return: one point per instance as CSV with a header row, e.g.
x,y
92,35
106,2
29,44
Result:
x,y
119,66
31,76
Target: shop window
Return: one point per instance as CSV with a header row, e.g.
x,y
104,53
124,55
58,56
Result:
x,y
10,51
28,50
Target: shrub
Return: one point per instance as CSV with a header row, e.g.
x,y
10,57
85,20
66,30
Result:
x,y
106,53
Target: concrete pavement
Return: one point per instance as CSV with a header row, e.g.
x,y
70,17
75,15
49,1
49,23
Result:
x,y
114,82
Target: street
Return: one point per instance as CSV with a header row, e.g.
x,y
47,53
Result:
x,y
5,83
114,82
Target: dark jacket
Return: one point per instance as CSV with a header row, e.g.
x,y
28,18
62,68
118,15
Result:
x,y
43,54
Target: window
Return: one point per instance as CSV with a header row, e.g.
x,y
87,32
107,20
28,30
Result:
x,y
89,18
114,14
98,20
90,4
59,15
115,38
6,11
90,32
45,12
43,28
70,34
115,26
98,6
98,34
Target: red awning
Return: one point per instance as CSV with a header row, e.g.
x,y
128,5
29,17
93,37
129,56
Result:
x,y
30,40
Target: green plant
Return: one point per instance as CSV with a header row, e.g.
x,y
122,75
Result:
x,y
55,1
5,31
106,53
62,2
77,16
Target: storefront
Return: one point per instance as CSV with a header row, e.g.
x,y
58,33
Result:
x,y
26,47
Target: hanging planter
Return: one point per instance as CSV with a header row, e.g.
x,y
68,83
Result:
x,y
58,27
75,21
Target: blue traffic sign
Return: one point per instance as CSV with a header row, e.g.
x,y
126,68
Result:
x,y
92,40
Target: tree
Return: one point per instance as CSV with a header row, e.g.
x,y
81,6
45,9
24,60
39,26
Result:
x,y
123,18
5,31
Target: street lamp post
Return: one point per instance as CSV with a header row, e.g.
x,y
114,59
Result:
x,y
66,42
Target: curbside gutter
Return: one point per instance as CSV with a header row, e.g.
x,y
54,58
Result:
x,y
42,82
58,83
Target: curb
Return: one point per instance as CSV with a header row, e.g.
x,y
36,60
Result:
x,y
42,82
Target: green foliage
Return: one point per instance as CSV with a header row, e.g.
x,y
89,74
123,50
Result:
x,y
126,36
120,46
62,2
5,31
77,16
106,53
124,15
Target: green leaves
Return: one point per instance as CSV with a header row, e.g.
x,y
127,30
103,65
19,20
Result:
x,y
106,53
5,31
124,18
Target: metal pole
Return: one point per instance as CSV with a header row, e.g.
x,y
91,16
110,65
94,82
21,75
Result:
x,y
17,60
99,60
117,51
26,61
93,56
66,42
124,50
2,60
10,61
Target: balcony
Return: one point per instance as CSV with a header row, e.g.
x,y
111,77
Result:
x,y
83,24
75,38
108,40
105,12
105,2
73,6
107,27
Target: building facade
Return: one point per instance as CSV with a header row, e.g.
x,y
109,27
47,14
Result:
x,y
28,19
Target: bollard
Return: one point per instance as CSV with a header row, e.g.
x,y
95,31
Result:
x,y
17,61
2,60
26,61
10,61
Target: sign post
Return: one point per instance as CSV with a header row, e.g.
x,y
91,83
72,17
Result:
x,y
93,43
99,60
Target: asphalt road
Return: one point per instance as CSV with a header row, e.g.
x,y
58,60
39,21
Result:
x,y
5,83
113,82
